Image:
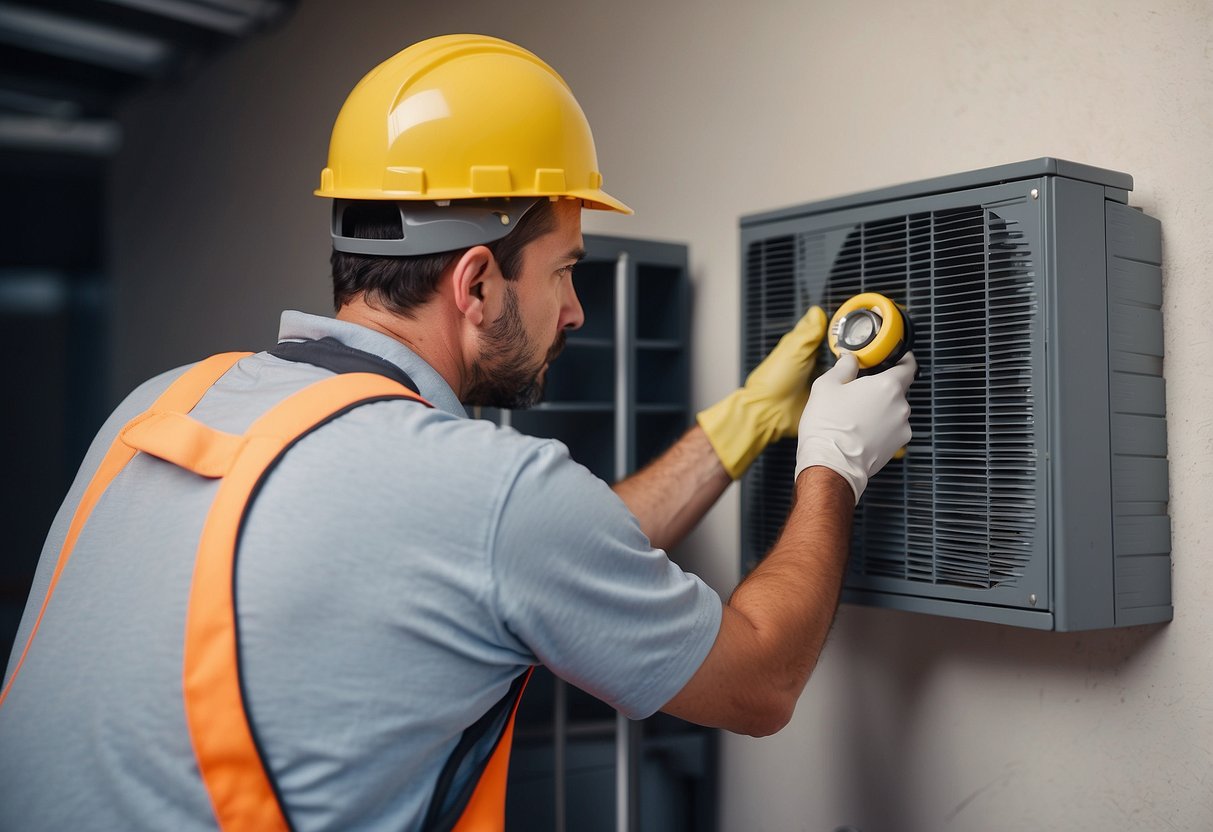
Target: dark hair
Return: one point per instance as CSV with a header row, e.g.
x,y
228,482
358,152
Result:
x,y
400,284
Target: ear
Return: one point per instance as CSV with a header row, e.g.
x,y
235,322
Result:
x,y
474,273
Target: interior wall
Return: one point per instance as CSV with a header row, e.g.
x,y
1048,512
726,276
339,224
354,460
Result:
x,y
704,111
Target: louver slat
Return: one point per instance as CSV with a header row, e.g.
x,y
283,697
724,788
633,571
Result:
x,y
960,509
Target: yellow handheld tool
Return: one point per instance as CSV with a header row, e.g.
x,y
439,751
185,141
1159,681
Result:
x,y
874,329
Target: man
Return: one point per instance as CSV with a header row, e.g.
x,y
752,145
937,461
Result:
x,y
362,574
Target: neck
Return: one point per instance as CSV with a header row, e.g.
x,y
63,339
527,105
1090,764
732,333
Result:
x,y
426,333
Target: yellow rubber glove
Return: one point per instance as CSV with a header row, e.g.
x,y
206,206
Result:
x,y
768,407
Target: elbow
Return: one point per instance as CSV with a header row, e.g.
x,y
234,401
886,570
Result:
x,y
758,730
766,715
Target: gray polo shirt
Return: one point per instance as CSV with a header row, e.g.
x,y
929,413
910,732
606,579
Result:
x,y
399,568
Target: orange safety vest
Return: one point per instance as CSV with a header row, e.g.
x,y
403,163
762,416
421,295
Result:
x,y
242,790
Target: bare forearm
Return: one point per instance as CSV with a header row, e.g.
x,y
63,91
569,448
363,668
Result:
x,y
671,494
791,597
776,623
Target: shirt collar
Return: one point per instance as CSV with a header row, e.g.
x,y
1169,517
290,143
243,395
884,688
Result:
x,y
298,326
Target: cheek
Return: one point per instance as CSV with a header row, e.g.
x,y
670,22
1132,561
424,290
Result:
x,y
538,323
549,320
541,317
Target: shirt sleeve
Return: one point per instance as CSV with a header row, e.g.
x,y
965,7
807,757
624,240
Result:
x,y
578,584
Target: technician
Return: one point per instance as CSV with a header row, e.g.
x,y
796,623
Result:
x,y
302,589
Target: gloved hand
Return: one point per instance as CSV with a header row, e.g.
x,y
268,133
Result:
x,y
854,425
769,405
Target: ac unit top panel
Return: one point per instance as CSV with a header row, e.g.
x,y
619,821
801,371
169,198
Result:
x,y
1117,184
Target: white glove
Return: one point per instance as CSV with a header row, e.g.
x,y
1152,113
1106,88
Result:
x,y
854,425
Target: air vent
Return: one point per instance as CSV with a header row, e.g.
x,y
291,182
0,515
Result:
x,y
962,525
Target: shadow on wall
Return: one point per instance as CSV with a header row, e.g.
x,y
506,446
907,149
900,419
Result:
x,y
889,671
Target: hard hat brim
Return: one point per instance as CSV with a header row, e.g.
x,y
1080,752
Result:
x,y
600,201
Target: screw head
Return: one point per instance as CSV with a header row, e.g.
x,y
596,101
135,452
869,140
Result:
x,y
1032,599
1035,193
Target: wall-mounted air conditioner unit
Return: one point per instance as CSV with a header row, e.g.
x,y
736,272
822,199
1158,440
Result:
x,y
1034,492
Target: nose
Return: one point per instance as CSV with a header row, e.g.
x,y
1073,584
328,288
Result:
x,y
572,316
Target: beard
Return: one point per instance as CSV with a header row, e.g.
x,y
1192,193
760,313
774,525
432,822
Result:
x,y
503,375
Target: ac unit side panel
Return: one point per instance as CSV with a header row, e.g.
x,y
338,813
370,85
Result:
x,y
1079,421
963,519
1141,529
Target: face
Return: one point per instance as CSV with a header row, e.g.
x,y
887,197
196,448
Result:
x,y
537,309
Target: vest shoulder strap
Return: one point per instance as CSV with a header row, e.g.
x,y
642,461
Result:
x,y
230,759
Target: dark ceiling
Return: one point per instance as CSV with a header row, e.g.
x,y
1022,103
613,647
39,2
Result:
x,y
64,64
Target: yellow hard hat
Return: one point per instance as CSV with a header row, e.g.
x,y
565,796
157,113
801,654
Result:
x,y
463,117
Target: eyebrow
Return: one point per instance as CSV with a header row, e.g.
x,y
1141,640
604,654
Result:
x,y
577,254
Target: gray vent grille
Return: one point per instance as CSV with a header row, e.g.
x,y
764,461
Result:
x,y
771,310
960,509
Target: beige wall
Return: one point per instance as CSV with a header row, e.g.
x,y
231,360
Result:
x,y
705,111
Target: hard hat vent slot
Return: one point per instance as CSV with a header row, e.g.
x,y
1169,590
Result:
x,y
371,221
